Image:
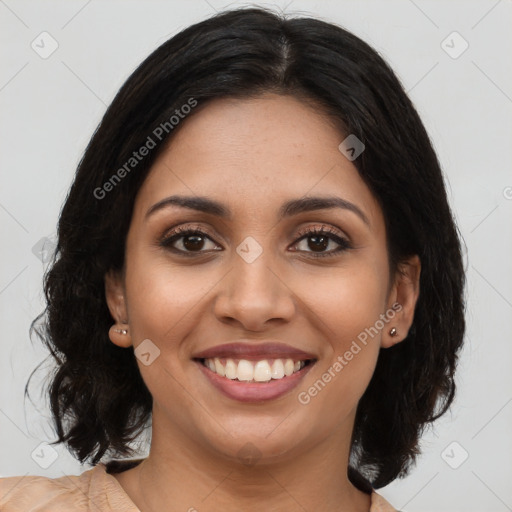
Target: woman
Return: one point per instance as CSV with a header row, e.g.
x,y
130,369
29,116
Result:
x,y
257,254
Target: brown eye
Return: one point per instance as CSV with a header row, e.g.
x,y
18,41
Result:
x,y
320,239
186,240
189,242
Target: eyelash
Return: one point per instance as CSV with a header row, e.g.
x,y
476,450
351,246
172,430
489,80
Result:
x,y
183,232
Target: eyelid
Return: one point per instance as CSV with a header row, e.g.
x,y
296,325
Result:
x,y
325,228
175,233
172,234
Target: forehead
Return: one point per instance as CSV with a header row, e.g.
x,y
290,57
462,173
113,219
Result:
x,y
252,154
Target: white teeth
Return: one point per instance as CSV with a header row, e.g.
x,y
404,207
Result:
x,y
257,371
230,369
219,368
262,372
245,370
288,367
278,369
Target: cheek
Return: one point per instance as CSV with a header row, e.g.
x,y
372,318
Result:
x,y
162,307
348,304
162,296
346,301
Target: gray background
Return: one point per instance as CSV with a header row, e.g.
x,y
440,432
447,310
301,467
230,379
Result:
x,y
50,107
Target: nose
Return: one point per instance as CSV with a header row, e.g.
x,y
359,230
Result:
x,y
254,294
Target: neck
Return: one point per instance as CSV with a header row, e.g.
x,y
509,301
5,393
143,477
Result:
x,y
179,474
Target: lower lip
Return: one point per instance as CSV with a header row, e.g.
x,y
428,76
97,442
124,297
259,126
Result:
x,y
254,391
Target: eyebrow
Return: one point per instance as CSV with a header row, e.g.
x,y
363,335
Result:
x,y
288,209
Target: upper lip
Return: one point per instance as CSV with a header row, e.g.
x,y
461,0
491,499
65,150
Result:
x,y
251,350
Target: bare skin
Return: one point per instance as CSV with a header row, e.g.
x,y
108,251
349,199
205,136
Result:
x,y
252,156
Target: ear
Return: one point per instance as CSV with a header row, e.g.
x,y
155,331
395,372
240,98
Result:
x,y
402,300
119,333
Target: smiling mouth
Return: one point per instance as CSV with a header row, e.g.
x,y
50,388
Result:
x,y
258,371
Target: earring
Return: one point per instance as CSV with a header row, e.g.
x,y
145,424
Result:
x,y
119,334
392,332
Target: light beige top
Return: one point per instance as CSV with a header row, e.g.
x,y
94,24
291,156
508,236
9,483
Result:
x,y
94,490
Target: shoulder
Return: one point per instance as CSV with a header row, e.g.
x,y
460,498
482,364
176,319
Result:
x,y
379,504
92,490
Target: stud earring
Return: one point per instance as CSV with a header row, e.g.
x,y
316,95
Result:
x,y
392,332
121,331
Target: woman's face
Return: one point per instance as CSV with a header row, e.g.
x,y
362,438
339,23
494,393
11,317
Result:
x,y
255,278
